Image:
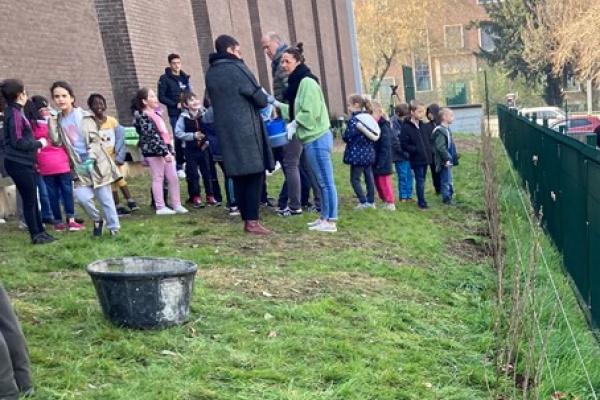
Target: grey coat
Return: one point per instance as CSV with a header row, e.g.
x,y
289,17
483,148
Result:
x,y
236,99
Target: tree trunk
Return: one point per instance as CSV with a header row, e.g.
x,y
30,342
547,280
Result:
x,y
386,68
553,94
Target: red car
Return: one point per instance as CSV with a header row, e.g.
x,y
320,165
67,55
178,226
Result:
x,y
578,124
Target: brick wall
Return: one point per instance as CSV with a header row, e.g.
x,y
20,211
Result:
x,y
119,54
158,28
345,47
232,17
60,40
116,46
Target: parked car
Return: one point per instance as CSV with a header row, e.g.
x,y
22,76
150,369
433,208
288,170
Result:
x,y
578,124
552,114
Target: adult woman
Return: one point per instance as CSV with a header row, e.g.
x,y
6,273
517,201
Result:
x,y
236,99
309,121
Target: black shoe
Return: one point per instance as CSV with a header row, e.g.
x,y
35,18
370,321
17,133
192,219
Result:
x,y
42,238
132,205
79,220
287,212
98,225
48,221
122,211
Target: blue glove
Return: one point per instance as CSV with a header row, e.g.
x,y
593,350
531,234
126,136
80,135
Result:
x,y
85,167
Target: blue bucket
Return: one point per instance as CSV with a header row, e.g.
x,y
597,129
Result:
x,y
277,132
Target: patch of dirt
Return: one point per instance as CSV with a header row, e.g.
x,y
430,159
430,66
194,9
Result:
x,y
257,284
469,249
468,145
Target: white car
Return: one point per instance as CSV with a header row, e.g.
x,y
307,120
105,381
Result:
x,y
552,114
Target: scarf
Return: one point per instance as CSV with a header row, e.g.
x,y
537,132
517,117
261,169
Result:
x,y
301,72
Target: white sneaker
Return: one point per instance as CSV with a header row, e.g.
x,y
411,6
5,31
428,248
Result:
x,y
181,210
165,211
2,221
325,226
181,174
370,205
389,207
314,223
361,206
234,211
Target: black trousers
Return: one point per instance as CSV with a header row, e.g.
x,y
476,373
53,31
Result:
x,y
14,361
25,179
247,194
230,196
198,163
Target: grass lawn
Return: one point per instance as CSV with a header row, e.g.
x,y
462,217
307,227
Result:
x,y
396,305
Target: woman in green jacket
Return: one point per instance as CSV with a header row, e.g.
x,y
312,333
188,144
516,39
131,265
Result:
x,y
308,119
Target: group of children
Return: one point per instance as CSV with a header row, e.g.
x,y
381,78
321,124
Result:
x,y
48,153
374,145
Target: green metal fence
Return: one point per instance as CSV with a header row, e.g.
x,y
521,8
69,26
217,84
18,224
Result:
x,y
563,178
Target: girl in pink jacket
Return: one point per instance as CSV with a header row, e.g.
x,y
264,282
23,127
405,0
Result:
x,y
53,165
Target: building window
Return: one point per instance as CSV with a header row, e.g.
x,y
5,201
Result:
x,y
486,37
422,74
453,37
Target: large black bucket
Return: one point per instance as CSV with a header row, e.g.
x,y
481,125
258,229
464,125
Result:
x,y
144,292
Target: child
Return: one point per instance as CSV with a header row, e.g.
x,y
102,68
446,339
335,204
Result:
x,y
401,157
445,153
195,145
157,149
93,168
382,168
53,166
432,114
360,152
417,143
113,139
20,150
216,158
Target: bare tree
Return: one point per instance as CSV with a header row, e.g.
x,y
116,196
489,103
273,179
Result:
x,y
386,30
566,34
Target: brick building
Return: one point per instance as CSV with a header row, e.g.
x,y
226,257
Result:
x,y
445,68
116,46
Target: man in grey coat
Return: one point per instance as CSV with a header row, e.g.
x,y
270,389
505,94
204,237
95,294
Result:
x,y
237,99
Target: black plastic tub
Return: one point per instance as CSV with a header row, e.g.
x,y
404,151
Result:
x,y
144,292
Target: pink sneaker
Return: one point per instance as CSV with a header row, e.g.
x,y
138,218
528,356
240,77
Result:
x,y
74,227
60,227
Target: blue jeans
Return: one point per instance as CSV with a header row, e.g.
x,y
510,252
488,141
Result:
x,y
60,187
405,179
446,185
420,175
318,154
356,171
44,199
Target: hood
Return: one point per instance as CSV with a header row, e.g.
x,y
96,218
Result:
x,y
169,73
214,57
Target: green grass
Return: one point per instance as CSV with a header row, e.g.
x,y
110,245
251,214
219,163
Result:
x,y
394,306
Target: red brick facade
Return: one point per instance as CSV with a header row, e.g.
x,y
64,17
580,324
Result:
x,y
116,46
